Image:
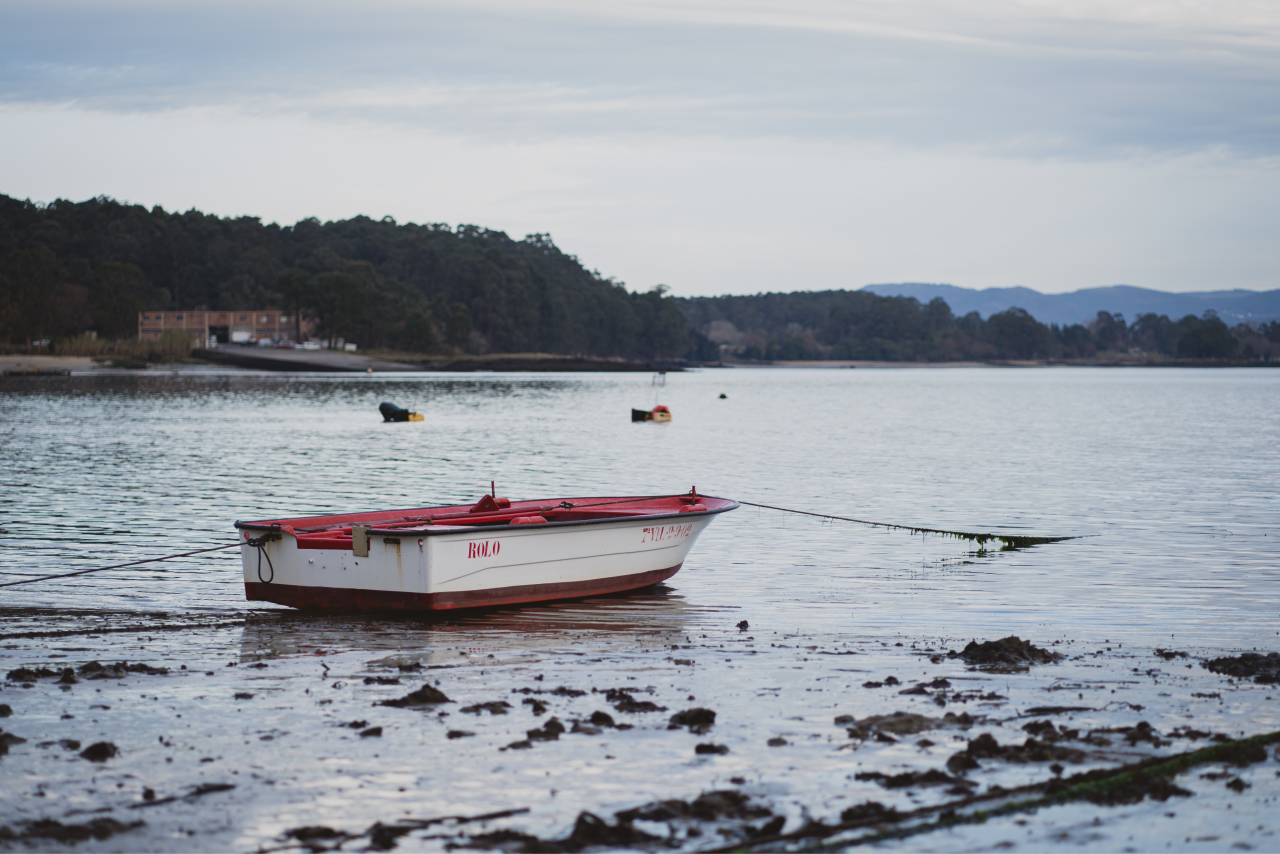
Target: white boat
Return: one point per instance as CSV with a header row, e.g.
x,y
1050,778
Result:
x,y
495,552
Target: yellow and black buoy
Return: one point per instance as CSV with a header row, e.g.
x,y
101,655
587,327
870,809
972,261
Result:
x,y
391,412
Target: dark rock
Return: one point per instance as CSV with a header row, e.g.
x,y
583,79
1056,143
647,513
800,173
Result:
x,y
1237,785
100,751
549,731
424,696
1006,652
371,732
715,749
538,707
1263,669
599,718
98,828
356,724
777,741
656,811
97,670
624,702
772,827
148,793
592,831
384,837
410,667
985,746
382,680
69,744
1169,654
30,674
243,695
743,625
5,710
459,733
493,707
315,837
698,721
907,779
725,803
68,677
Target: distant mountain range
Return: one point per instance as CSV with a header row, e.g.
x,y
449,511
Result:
x,y
1081,306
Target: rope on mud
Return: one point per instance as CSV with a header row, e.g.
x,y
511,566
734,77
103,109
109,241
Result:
x,y
1010,541
118,565
1094,783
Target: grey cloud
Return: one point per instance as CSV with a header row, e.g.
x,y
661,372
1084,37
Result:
x,y
1079,90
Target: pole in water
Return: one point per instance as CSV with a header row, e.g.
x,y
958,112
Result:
x,y
493,489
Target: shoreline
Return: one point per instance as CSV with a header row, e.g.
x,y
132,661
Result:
x,y
239,731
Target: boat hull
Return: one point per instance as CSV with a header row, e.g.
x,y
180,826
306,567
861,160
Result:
x,y
475,567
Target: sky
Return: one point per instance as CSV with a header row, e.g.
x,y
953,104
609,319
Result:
x,y
712,146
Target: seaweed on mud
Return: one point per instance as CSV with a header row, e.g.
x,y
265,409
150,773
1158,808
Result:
x,y
624,702
427,695
900,723
985,746
493,707
96,670
909,779
1010,652
1263,669
1140,785
68,834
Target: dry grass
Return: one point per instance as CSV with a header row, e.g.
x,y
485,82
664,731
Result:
x,y
170,347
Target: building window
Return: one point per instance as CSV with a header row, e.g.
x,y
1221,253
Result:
x,y
243,318
266,319
179,317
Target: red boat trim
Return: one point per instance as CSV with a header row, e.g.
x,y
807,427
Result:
x,y
348,599
434,530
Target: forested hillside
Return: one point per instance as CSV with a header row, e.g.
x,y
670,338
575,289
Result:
x,y
70,267
862,325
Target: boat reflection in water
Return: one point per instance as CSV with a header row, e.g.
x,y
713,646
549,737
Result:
x,y
649,619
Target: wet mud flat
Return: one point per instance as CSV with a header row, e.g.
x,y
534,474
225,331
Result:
x,y
631,723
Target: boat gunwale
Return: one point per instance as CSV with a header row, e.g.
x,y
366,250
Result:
x,y
432,530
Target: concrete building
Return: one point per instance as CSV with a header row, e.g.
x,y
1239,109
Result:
x,y
224,327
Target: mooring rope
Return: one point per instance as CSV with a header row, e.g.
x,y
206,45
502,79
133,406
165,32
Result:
x,y
117,566
1011,541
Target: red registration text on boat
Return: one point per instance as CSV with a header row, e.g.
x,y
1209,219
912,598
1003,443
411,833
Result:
x,y
666,532
489,548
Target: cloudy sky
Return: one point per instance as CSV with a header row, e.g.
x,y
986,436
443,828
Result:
x,y
714,146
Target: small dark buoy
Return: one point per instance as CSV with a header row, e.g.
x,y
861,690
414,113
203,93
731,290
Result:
x,y
391,412
724,396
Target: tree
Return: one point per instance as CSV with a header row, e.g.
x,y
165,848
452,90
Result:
x,y
296,288
1018,335
119,292
1205,337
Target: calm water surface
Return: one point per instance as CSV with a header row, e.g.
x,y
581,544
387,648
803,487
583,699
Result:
x,y
1169,478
